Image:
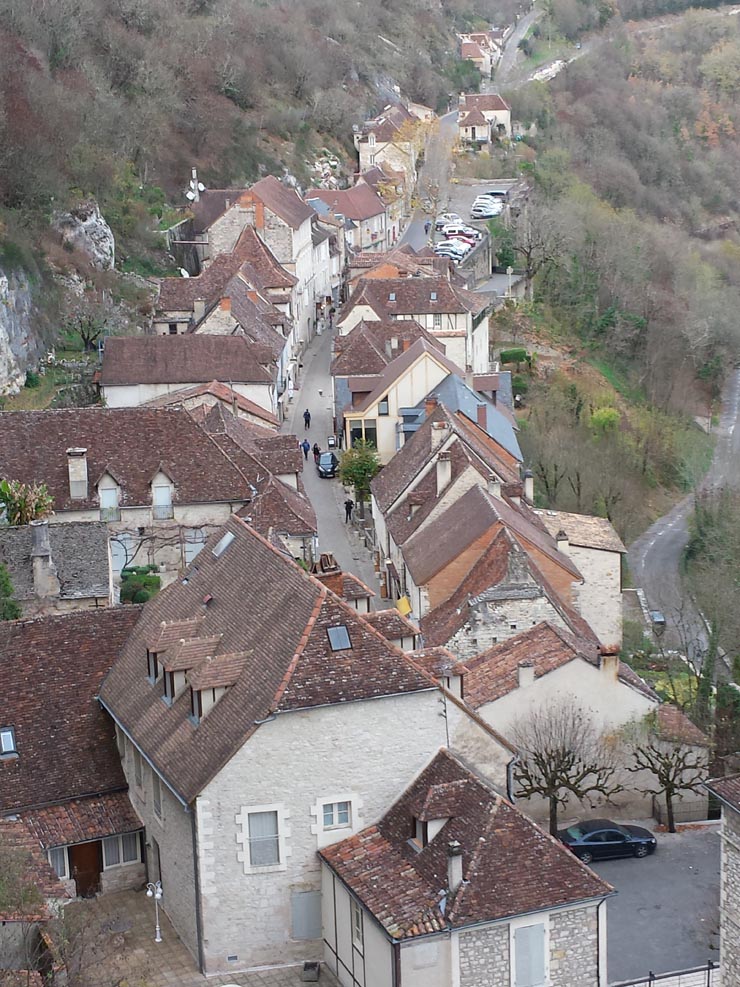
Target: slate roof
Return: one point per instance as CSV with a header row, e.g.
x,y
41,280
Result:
x,y
392,624
369,347
66,744
510,866
79,553
282,201
225,394
183,359
132,444
21,850
674,725
583,530
81,820
414,296
727,790
396,370
267,606
358,203
494,673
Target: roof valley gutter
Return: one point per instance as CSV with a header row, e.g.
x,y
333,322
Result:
x,y
183,801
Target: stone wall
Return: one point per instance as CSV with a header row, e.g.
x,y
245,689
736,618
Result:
x,y
20,346
574,953
123,878
484,957
729,928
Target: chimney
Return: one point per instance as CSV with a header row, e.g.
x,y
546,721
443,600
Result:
x,y
225,304
469,378
194,185
494,486
252,296
77,470
199,309
439,434
529,486
481,416
444,471
562,541
430,403
45,581
609,661
526,674
454,866
405,343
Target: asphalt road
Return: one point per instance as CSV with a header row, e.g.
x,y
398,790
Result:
x,y
655,557
434,171
665,916
505,68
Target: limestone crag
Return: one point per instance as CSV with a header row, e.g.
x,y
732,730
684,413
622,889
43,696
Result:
x,y
20,345
84,228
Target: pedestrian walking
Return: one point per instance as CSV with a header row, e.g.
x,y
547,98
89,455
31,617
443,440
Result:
x,y
427,227
307,419
316,453
349,506
306,446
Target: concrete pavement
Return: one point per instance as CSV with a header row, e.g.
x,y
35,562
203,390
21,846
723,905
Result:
x,y
435,170
326,496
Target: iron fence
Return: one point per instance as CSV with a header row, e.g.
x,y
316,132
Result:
x,y
699,976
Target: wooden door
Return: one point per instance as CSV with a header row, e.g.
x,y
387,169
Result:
x,y
85,864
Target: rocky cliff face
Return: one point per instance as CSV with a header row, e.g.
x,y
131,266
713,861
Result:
x,y
20,344
84,228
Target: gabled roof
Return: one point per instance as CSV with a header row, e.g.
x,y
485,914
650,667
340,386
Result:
x,y
132,444
179,294
396,369
473,119
81,820
436,661
284,202
370,346
183,359
510,866
226,395
266,606
261,259
583,530
21,850
278,452
79,553
486,102
386,125
494,673
282,509
211,205
358,203
392,624
727,790
51,671
413,296
674,726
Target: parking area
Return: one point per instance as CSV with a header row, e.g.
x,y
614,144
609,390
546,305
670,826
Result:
x,y
666,914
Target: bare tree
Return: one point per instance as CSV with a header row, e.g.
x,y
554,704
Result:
x,y
539,239
563,754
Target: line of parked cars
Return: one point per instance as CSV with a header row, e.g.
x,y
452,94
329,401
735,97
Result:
x,y
487,205
458,238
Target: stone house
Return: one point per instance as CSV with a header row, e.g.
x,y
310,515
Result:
x,y
401,262
363,208
255,734
389,185
454,315
727,790
491,109
453,885
478,53
137,369
389,140
59,567
202,397
61,774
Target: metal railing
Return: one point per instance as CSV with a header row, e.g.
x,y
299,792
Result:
x,y
698,976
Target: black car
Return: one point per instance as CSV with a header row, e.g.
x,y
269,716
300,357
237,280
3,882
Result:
x,y
597,839
327,464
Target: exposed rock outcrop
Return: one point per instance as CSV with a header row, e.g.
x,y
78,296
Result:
x,y
84,228
20,344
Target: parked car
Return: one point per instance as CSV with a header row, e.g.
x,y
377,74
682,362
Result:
x,y
484,212
451,248
327,465
598,839
462,237
445,219
457,229
489,202
496,193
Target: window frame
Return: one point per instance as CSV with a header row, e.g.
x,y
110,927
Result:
x,y
335,811
153,666
437,320
339,627
166,510
63,850
122,862
110,512
272,839
12,751
383,407
357,922
243,838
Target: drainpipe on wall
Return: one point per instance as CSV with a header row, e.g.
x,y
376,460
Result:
x,y
396,947
196,874
510,778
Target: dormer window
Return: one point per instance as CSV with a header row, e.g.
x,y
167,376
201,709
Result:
x,y
339,638
7,743
383,406
392,296
174,683
196,706
109,504
421,834
433,296
162,501
152,666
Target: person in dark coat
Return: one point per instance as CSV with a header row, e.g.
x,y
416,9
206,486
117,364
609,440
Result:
x,y
306,446
307,419
349,506
316,452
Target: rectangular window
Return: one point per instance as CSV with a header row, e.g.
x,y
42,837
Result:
x,y
58,860
162,502
169,688
156,795
109,510
131,848
111,852
358,938
437,320
119,850
336,815
339,638
371,432
196,706
137,769
7,741
383,406
152,665
172,328
264,844
529,956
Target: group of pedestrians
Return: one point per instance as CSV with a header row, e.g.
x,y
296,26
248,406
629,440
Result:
x,y
306,447
349,504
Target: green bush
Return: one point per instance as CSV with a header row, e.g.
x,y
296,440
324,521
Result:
x,y
32,379
519,384
139,583
518,355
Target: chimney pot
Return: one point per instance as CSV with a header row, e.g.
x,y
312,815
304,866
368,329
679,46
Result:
x,y
526,674
609,661
454,865
439,434
562,541
40,544
481,415
430,404
77,472
45,579
405,345
529,486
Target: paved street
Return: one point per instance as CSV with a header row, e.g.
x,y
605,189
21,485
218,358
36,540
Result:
x,y
435,170
505,69
327,496
666,915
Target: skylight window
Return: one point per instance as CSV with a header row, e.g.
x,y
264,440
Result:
x,y
7,741
392,296
433,296
339,638
223,543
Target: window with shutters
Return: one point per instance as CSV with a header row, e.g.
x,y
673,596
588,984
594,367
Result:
x,y
529,954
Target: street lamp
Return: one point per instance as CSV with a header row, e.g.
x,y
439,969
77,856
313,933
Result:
x,y
154,890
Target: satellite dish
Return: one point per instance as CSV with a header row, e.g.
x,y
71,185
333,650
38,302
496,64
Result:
x,y
201,187
193,184
190,196
185,274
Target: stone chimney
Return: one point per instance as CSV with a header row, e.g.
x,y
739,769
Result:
x,y
194,185
469,378
225,304
199,309
430,405
45,581
529,486
444,471
77,470
526,674
439,434
454,866
481,416
494,486
405,343
609,661
562,542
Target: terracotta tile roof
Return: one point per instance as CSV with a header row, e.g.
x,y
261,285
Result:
x,y
186,653
469,49
132,444
413,296
169,632
20,851
65,742
225,394
392,624
278,507
263,261
277,453
179,294
81,820
473,119
397,368
510,866
184,359
371,346
267,606
437,662
674,725
358,203
486,102
211,205
219,671
583,530
282,201
386,125
347,586
727,790
79,552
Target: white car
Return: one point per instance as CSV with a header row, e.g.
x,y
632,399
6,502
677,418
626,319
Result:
x,y
445,219
489,201
450,249
460,229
